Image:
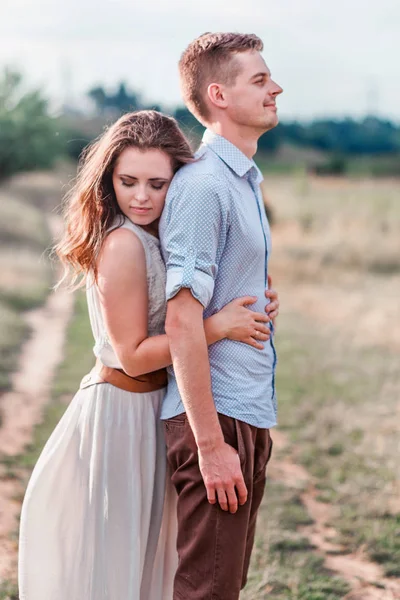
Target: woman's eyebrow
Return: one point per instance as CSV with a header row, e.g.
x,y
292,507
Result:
x,y
151,178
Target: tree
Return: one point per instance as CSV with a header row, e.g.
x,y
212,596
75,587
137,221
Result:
x,y
345,136
191,126
122,101
99,97
29,136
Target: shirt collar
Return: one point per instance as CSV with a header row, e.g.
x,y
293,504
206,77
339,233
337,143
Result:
x,y
232,156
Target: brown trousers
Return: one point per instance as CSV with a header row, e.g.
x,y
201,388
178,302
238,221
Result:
x,y
214,546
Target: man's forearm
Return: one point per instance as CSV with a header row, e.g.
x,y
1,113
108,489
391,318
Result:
x,y
219,463
189,352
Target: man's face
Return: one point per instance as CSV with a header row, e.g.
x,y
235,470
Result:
x,y
252,99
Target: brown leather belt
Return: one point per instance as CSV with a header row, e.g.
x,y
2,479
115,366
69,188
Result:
x,y
149,382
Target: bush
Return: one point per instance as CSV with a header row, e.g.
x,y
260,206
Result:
x,y
29,136
336,165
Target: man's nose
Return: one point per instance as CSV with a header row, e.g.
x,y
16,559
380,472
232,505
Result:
x,y
276,90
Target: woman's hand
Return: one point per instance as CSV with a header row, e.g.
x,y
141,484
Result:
x,y
243,325
272,309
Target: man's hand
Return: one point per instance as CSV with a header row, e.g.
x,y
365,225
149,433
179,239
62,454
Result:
x,y
272,309
222,473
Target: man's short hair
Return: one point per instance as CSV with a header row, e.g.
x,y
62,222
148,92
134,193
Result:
x,y
211,59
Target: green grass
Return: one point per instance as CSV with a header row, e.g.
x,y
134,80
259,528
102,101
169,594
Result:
x,y
22,300
8,590
78,355
26,276
290,159
78,360
336,401
284,565
13,331
22,224
333,398
338,379
380,533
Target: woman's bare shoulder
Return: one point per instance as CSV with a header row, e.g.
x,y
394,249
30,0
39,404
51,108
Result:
x,y
121,250
122,241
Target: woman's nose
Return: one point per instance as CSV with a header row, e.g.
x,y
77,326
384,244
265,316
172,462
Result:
x,y
141,194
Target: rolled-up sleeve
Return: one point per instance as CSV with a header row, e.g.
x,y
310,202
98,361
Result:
x,y
193,234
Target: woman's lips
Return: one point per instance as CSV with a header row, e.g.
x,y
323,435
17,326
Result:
x,y
139,211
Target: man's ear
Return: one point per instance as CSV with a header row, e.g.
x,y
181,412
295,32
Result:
x,y
216,95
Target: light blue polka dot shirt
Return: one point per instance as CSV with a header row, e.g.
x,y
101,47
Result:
x,y
216,240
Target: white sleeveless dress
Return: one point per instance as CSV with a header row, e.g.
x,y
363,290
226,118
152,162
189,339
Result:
x,y
98,520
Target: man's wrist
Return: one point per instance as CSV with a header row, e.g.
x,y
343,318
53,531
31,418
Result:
x,y
207,444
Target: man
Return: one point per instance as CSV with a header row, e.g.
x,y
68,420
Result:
x,y
221,402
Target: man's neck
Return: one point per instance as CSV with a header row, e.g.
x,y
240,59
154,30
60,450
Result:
x,y
244,139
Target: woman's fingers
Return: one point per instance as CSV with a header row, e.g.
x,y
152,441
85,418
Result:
x,y
245,300
271,294
261,333
256,316
261,337
252,342
262,328
272,306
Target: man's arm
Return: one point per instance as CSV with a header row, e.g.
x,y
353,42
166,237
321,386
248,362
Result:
x,y
219,463
197,222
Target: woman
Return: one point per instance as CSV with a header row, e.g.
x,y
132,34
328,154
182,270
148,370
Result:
x,y
96,522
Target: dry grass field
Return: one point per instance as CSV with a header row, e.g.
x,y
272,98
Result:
x,y
26,273
329,527
332,505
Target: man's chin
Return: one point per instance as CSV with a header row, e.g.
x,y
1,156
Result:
x,y
269,123
273,121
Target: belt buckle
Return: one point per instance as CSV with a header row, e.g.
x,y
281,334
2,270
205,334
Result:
x,y
86,381
91,378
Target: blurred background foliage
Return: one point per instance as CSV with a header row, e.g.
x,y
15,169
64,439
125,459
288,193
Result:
x,y
33,136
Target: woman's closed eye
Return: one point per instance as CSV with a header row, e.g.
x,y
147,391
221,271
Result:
x,y
154,186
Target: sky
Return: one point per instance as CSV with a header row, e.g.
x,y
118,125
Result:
x,y
333,58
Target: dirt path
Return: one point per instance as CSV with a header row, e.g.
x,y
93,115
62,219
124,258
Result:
x,y
21,409
355,568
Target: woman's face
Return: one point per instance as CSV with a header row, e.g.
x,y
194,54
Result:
x,y
141,180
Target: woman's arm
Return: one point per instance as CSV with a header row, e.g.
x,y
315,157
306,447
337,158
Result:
x,y
122,285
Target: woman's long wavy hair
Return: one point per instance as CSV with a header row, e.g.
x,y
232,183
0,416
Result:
x,y
91,208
